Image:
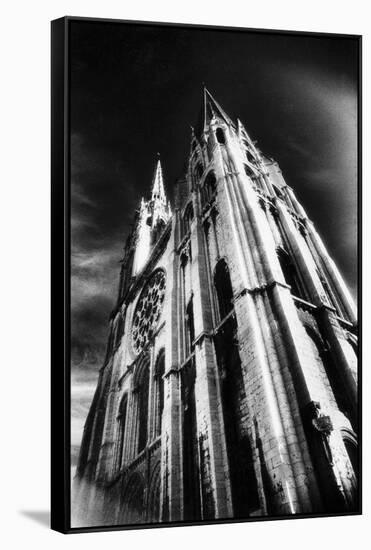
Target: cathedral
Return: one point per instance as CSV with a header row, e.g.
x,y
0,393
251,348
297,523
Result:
x,y
229,386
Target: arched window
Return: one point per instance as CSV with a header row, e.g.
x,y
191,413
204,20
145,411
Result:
x,y
141,389
290,273
121,419
223,286
159,391
220,136
199,170
120,329
278,192
208,188
248,171
111,340
188,217
250,156
190,329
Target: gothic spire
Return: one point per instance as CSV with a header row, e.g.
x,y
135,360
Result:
x,y
212,109
158,191
159,204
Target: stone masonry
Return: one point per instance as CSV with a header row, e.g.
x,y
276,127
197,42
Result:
x,y
229,387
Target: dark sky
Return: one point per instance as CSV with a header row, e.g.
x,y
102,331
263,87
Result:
x,y
135,90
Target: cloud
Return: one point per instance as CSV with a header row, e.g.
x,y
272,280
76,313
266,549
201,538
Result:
x,y
316,147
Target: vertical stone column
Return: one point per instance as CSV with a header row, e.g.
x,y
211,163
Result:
x,y
285,487
239,209
215,488
171,447
171,461
337,344
259,237
127,452
106,464
151,397
310,385
329,323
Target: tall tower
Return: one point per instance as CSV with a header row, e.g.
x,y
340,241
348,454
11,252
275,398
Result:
x,y
229,388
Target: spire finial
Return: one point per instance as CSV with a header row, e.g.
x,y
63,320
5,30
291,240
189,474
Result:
x,y
158,191
159,203
212,108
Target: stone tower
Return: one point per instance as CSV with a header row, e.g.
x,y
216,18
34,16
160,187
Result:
x,y
229,387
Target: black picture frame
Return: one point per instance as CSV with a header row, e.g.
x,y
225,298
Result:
x,y
61,270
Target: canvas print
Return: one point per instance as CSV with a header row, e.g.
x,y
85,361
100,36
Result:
x,y
213,203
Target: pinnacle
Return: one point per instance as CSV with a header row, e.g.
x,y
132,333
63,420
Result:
x,y
158,191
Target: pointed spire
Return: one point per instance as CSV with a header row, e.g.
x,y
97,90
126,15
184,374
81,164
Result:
x,y
210,108
213,109
160,206
158,191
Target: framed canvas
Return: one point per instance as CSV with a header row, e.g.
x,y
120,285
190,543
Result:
x,y
205,268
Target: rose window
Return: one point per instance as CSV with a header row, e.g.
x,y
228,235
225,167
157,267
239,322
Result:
x,y
148,310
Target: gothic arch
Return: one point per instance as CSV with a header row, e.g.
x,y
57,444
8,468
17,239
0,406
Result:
x,y
252,173
141,365
278,192
188,217
121,419
119,328
249,156
159,372
290,272
141,390
223,287
208,189
189,326
133,500
199,170
220,135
